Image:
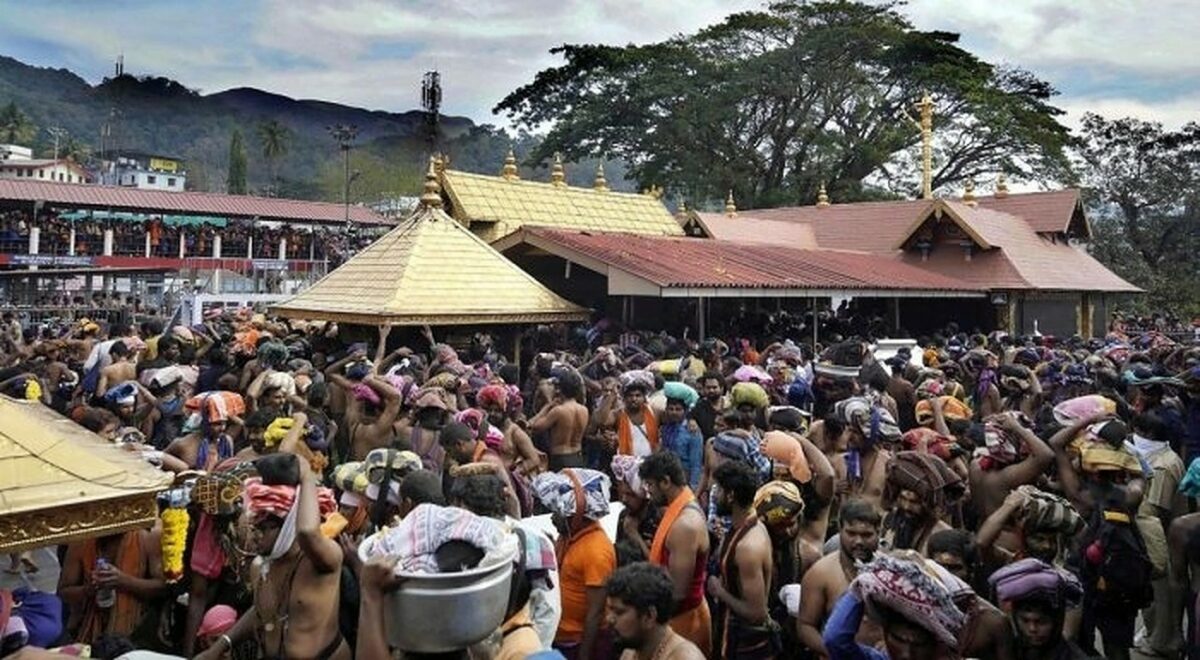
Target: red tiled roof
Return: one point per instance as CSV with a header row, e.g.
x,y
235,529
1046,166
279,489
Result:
x,y
1044,211
754,230
672,262
189,203
1023,257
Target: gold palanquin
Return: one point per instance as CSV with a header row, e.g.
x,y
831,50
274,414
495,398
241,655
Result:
x,y
60,482
494,207
429,270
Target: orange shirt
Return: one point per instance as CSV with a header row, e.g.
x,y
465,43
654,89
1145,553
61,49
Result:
x,y
589,560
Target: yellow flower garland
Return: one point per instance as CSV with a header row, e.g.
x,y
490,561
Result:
x,y
174,542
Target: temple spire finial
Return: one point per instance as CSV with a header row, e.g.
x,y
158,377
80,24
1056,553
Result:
x,y
1001,185
968,197
601,183
730,207
509,171
558,175
431,198
822,197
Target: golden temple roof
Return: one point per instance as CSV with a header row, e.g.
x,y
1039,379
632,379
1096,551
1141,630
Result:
x,y
60,482
429,270
494,207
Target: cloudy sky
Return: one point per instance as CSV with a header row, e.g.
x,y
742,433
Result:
x,y
1117,57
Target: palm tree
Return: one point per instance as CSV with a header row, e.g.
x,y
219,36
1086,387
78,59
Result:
x,y
273,138
15,126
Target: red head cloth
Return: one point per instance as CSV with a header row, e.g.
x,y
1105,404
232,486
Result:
x,y
262,500
493,395
217,621
217,406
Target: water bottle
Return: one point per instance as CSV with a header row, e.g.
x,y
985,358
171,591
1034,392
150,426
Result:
x,y
106,597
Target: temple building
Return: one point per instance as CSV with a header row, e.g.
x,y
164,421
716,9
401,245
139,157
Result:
x,y
1015,262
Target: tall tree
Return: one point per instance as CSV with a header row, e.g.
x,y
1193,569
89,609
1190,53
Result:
x,y
15,125
770,103
1143,185
274,138
236,183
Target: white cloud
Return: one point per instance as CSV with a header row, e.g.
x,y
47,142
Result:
x,y
1152,38
1113,56
1171,114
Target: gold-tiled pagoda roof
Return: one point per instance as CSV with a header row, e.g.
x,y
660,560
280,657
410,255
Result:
x,y
429,270
60,482
494,207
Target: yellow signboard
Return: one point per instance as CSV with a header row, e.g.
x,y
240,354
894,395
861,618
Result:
x,y
163,165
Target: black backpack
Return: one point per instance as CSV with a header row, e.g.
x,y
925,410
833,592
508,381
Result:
x,y
1123,575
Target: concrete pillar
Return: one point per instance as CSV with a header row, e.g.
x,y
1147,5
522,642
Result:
x,y
282,249
71,247
147,243
108,240
182,243
35,239
250,247
216,253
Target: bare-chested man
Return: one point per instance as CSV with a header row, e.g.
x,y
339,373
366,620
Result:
x,y
917,491
745,563
862,469
207,446
517,449
464,446
565,419
828,579
1014,456
122,370
639,605
297,580
680,545
371,425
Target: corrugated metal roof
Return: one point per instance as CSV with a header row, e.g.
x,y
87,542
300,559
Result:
x,y
196,203
494,207
429,270
676,262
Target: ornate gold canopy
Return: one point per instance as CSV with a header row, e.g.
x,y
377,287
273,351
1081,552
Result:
x,y
60,482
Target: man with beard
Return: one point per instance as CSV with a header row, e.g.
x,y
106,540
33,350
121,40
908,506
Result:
x,y
639,602
712,403
1030,523
779,505
209,442
1039,595
635,423
680,545
745,565
464,446
918,486
297,575
862,469
828,579
681,435
563,419
517,447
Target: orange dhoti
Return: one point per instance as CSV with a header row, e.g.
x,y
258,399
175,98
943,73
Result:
x,y
695,625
